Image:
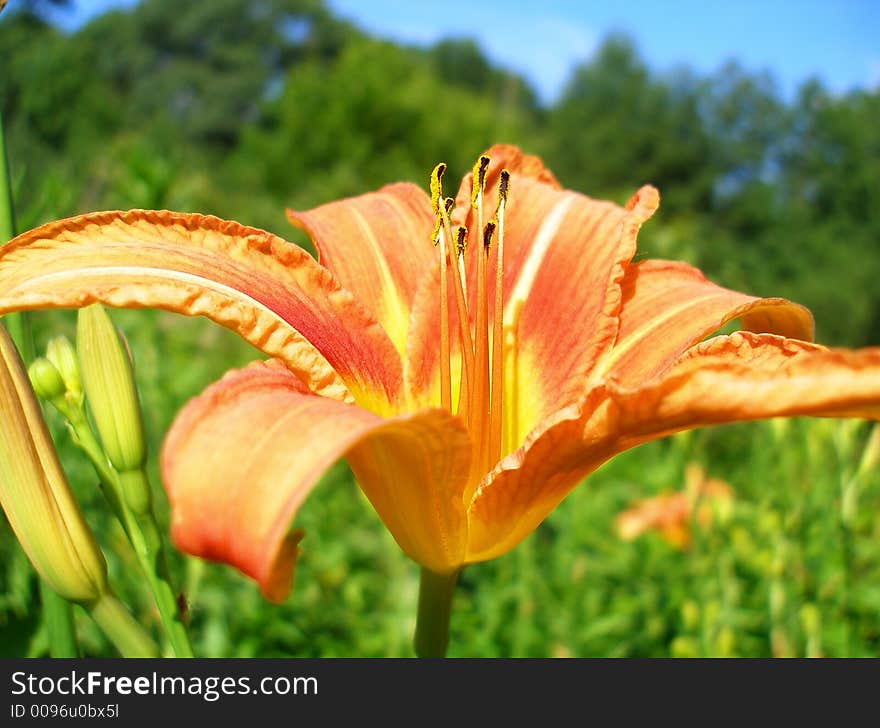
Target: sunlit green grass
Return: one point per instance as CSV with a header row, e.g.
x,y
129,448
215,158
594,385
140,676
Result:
x,y
794,568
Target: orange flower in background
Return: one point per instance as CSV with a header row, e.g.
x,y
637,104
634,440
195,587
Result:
x,y
471,385
671,513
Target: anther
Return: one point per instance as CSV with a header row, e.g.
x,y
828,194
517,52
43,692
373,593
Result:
x,y
487,235
503,186
461,240
478,181
437,186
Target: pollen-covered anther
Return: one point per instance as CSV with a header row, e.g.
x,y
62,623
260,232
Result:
x,y
488,232
461,240
503,186
436,186
478,181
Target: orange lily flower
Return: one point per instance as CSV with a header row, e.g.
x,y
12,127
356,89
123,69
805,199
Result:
x,y
671,513
470,390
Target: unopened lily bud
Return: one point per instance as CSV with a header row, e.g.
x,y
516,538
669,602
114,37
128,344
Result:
x,y
35,494
46,380
61,353
108,380
109,385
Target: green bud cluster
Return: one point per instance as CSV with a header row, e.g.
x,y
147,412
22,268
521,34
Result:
x,y
108,380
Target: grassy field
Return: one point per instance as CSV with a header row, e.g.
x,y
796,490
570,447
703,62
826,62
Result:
x,y
790,567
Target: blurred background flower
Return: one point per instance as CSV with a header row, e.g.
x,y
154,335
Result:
x,y
673,513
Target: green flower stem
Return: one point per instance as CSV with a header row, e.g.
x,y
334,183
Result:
x,y
435,608
121,629
147,542
58,617
142,532
57,612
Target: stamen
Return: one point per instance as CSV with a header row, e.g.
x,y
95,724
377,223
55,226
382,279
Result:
x,y
445,354
439,235
496,413
464,331
464,328
480,398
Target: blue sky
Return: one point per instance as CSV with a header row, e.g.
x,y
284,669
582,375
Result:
x,y
835,40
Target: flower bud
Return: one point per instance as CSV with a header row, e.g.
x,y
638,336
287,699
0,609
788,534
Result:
x,y
46,380
35,494
108,380
61,353
109,386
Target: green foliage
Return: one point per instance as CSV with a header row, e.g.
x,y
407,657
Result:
x,y
617,127
792,570
241,108
375,105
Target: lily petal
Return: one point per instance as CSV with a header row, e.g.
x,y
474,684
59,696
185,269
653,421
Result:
x,y
241,458
748,376
377,247
669,306
739,377
568,254
270,292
